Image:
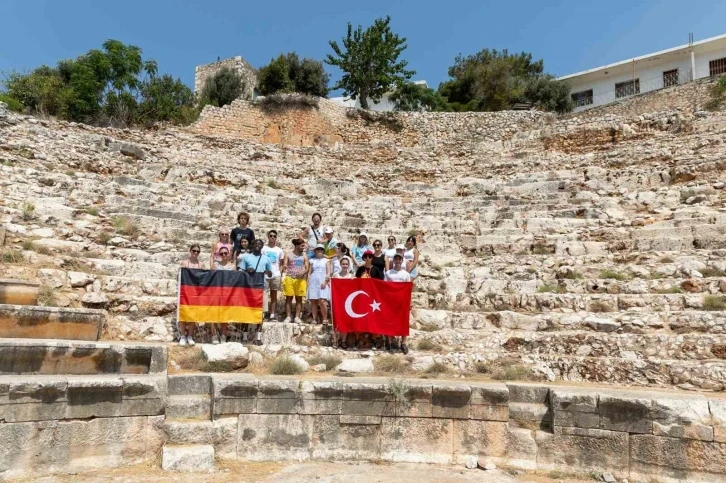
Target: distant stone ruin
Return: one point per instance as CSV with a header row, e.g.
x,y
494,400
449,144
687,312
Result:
x,y
238,64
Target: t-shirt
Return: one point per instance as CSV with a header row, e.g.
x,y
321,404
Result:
x,y
240,233
219,266
389,252
260,261
394,275
275,255
330,247
315,235
357,252
373,272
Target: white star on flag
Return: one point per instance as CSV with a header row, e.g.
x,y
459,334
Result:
x,y
376,306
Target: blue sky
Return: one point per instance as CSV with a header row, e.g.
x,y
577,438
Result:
x,y
569,35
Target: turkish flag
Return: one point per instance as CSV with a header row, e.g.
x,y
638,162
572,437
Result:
x,y
371,305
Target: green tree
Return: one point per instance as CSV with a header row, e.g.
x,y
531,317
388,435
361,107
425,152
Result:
x,y
222,88
369,61
417,97
287,73
493,80
165,99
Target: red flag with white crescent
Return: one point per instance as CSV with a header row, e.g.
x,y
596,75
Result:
x,y
371,305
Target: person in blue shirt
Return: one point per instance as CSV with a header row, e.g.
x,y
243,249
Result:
x,y
256,262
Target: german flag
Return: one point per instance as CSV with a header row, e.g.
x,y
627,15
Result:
x,y
220,296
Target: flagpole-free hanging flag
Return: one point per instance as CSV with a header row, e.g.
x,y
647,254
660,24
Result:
x,y
220,296
371,305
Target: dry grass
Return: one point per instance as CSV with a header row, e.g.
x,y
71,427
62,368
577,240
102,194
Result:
x,y
11,255
551,288
331,362
92,211
390,364
670,290
514,372
284,366
104,237
28,210
541,250
437,368
666,259
714,302
573,275
125,226
46,296
428,327
429,345
712,272
613,275
599,307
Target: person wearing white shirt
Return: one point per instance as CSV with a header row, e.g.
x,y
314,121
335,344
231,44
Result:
x,y
398,274
275,254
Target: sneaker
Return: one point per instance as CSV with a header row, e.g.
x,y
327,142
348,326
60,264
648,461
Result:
x,y
287,320
222,338
190,341
404,348
298,320
257,342
182,341
273,318
215,340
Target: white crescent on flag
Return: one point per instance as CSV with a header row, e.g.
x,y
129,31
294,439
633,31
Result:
x,y
349,305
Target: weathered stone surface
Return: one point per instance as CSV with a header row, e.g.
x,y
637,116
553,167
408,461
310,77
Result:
x,y
676,458
718,415
274,437
682,417
621,411
592,449
451,401
346,438
198,457
361,366
417,440
232,353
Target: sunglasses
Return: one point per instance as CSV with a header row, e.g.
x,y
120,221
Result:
x,y
271,236
224,234
367,256
195,251
224,253
376,244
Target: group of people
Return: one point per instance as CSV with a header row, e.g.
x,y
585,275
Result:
x,y
305,271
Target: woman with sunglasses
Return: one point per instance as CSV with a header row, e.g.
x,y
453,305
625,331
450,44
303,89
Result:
x,y
186,329
411,257
391,250
379,257
220,332
222,243
319,285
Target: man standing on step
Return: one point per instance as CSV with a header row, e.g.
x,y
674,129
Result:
x,y
272,283
256,262
313,234
294,270
243,231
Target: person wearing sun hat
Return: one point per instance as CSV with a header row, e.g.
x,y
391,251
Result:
x,y
359,248
329,242
319,285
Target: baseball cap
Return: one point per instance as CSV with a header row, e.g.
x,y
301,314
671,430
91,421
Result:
x,y
320,246
400,247
398,255
328,230
367,252
363,234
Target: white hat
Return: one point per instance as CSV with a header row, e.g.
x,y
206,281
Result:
x,y
328,230
400,247
363,234
320,245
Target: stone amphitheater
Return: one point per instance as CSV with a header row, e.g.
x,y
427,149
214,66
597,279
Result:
x,y
569,314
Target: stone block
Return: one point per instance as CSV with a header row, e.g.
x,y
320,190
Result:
x,y
188,407
238,387
346,438
222,434
623,411
576,419
530,415
451,400
274,437
142,407
417,440
368,399
718,416
478,438
321,397
144,387
583,449
414,400
229,406
573,400
13,413
198,457
37,390
528,393
489,402
682,417
180,384
94,397
677,459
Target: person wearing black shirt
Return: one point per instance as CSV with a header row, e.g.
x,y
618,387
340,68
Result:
x,y
379,257
368,270
242,231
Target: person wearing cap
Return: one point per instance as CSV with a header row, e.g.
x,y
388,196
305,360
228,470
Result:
x,y
343,271
367,269
399,250
329,242
223,242
313,234
294,270
359,248
319,285
397,274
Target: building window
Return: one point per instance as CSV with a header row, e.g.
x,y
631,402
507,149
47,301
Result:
x,y
583,98
670,78
625,89
717,67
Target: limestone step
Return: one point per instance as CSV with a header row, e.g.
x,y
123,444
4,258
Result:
x,y
18,292
49,356
31,322
190,384
199,432
187,458
189,406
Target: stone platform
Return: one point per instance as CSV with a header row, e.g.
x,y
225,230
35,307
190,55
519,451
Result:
x,y
31,322
18,292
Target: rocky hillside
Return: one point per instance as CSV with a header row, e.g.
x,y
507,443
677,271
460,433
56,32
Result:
x,y
589,248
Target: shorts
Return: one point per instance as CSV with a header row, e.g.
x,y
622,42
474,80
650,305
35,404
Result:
x,y
297,287
273,283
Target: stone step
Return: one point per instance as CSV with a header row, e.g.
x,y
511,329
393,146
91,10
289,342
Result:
x,y
31,322
18,292
189,406
220,433
187,458
190,384
44,356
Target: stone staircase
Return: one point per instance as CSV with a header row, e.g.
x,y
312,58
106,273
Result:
x,y
603,266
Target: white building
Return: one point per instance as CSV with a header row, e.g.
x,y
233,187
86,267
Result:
x,y
610,83
384,105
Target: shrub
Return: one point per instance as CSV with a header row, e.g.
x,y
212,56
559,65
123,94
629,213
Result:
x,y
13,104
104,237
437,368
92,211
428,327
666,259
613,274
222,88
274,184
718,95
573,275
287,73
428,345
284,366
714,302
46,296
28,209
551,288
541,250
390,364
670,290
290,101
598,307
11,256
482,367
330,361
712,272
515,372
125,226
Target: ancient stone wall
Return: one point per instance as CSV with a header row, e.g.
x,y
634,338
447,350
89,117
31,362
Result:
x,y
244,68
631,434
327,122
